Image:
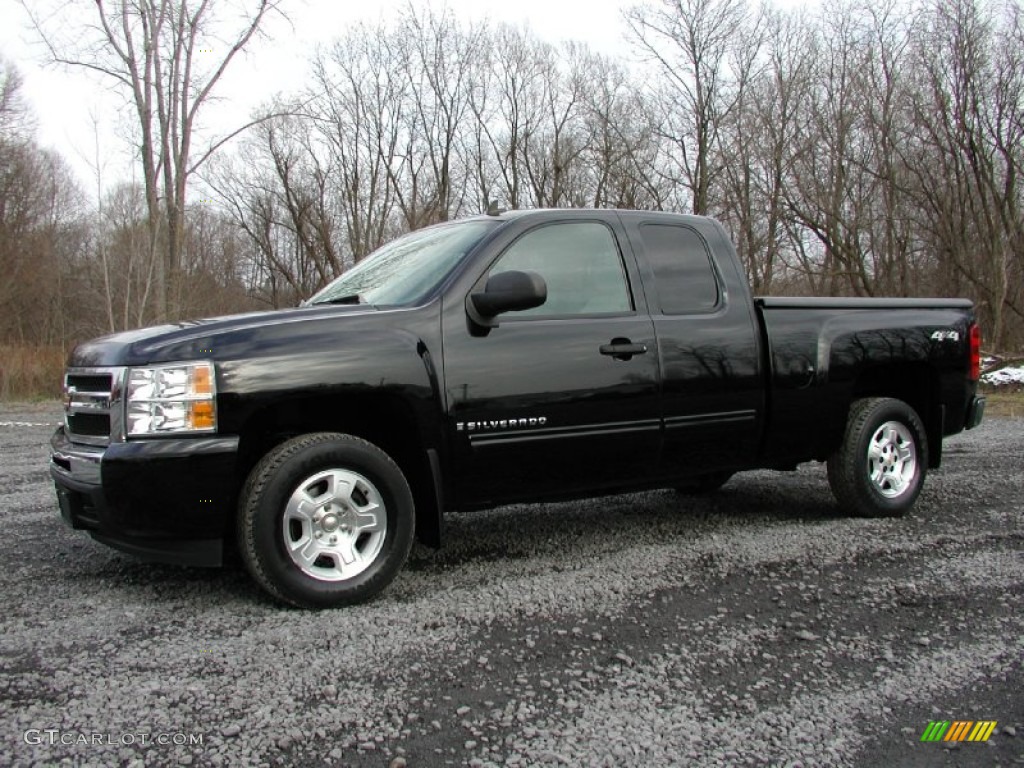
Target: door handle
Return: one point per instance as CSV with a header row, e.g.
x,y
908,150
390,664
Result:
x,y
622,349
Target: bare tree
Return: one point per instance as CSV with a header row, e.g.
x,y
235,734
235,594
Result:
x,y
890,248
689,41
555,148
40,232
437,56
770,123
121,253
360,108
622,145
831,189
277,197
968,160
167,56
505,101
16,121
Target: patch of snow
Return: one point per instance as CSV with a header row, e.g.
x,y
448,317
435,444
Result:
x,y
1005,376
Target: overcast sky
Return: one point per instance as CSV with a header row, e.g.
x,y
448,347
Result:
x,y
66,103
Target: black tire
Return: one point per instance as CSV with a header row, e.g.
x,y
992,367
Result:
x,y
278,514
703,484
877,473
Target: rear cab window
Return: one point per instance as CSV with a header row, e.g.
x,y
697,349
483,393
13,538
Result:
x,y
686,281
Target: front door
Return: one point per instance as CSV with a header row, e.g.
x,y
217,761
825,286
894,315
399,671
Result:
x,y
560,398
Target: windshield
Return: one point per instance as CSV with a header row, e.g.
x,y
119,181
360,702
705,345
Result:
x,y
405,270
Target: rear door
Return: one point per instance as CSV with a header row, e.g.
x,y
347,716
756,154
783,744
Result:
x,y
708,345
563,397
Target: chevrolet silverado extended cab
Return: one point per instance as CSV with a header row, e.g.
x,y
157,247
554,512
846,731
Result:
x,y
525,356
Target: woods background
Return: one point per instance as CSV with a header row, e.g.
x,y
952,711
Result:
x,y
869,148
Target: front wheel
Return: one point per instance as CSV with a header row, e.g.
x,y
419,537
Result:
x,y
325,519
879,469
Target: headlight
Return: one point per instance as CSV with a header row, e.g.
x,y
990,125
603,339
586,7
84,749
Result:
x,y
171,398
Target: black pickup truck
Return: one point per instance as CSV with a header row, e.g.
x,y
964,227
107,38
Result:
x,y
525,356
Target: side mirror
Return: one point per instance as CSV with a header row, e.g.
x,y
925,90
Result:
x,y
507,292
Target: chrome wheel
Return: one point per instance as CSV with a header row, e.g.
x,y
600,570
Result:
x,y
878,469
892,459
334,525
325,519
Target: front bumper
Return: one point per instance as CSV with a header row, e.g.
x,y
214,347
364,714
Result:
x,y
168,499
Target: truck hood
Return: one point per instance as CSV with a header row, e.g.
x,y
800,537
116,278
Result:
x,y
198,339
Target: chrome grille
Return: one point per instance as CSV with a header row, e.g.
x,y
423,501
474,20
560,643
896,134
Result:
x,y
92,399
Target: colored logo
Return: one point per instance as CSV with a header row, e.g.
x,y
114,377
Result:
x,y
958,730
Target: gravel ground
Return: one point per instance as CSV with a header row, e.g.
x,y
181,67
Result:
x,y
752,627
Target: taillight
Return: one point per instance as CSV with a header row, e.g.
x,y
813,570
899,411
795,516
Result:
x,y
975,352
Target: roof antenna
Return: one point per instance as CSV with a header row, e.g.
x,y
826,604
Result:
x,y
493,209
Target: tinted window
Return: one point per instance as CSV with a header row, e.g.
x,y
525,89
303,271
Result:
x,y
682,266
580,263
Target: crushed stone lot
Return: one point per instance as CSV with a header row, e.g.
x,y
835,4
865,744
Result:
x,y
754,627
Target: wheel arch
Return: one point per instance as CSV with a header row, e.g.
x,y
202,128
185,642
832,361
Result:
x,y
916,384
387,420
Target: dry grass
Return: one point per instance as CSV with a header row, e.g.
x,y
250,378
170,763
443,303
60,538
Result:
x,y
1005,404
30,373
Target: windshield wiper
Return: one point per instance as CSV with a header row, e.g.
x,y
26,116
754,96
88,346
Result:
x,y
352,298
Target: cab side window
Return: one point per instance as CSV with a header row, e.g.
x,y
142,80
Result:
x,y
581,264
684,277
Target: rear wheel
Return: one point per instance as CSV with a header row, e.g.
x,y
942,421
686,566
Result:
x,y
325,519
879,469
